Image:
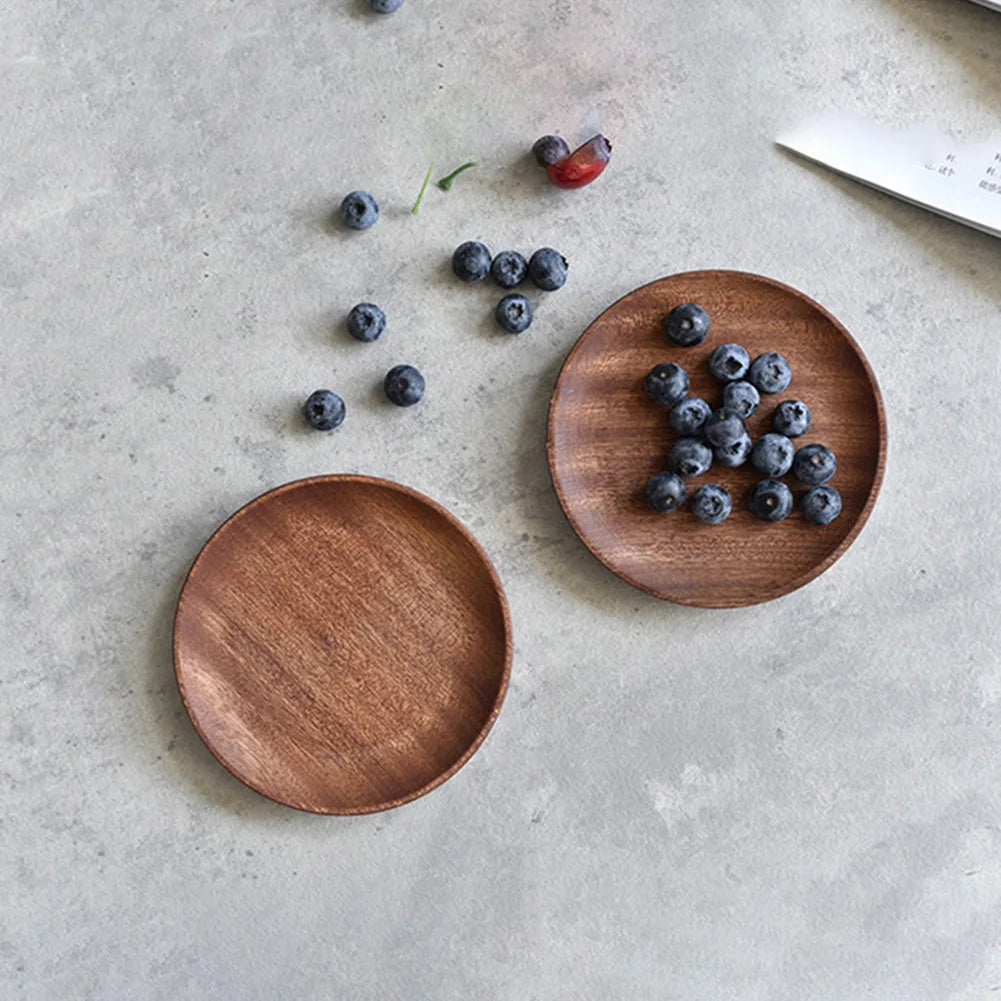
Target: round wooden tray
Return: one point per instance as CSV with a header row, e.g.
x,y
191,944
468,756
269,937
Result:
x,y
606,438
342,644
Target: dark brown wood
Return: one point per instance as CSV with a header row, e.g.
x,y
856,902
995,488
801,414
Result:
x,y
606,438
342,644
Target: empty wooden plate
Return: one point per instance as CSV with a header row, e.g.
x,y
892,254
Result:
x,y
342,644
606,438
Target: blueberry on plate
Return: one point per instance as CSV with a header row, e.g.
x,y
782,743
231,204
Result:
x,y
711,504
732,456
689,457
366,322
769,373
508,269
814,464
404,385
723,428
385,6
821,505
770,500
664,492
791,418
742,398
471,261
687,325
667,383
729,362
324,410
549,150
772,455
688,415
359,210
513,313
548,269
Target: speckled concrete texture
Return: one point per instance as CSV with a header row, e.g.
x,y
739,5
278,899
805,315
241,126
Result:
x,y
796,800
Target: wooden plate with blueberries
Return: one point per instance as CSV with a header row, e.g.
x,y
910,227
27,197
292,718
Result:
x,y
717,438
342,644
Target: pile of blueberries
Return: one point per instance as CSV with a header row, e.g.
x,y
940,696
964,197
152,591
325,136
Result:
x,y
720,436
546,269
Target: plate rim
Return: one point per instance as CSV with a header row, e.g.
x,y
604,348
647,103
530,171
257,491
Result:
x,y
456,523
814,571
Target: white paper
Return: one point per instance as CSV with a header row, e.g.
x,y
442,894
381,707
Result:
x,y
960,182
989,3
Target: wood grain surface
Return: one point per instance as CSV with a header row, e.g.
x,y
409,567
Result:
x,y
342,644
606,438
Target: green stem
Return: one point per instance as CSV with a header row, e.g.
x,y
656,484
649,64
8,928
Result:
x,y
446,182
417,204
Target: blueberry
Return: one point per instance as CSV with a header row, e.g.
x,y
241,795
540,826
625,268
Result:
x,y
359,210
324,410
667,383
689,457
385,6
772,455
821,505
508,269
548,269
770,500
471,261
549,150
366,322
513,313
769,373
712,504
404,385
814,464
733,455
686,325
741,397
791,418
723,427
664,492
688,415
729,362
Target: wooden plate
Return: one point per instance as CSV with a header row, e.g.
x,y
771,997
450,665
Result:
x,y
606,438
342,644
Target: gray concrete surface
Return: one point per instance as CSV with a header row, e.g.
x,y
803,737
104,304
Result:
x,y
798,800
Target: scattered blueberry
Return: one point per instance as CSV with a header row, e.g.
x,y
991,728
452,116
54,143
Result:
x,y
791,418
772,455
508,269
729,362
724,427
664,492
548,269
689,457
471,261
513,313
687,325
366,322
549,150
324,410
667,383
770,500
688,415
404,385
359,210
385,6
741,397
821,505
712,504
731,456
769,373
814,464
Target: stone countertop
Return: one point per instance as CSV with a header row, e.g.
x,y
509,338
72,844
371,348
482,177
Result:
x,y
795,800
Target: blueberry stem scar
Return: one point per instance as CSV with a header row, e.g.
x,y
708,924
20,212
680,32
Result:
x,y
446,182
420,195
